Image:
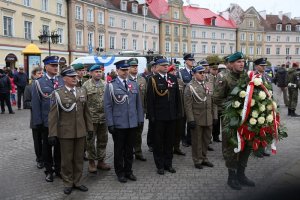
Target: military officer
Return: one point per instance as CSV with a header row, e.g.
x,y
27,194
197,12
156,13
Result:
x,y
42,89
94,88
293,86
70,120
199,112
185,75
141,81
81,71
163,107
235,162
123,113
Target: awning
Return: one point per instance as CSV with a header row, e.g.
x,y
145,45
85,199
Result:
x,y
11,58
31,49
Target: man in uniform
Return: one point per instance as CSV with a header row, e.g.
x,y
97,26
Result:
x,y
42,89
94,88
235,162
141,81
199,111
163,103
123,113
293,86
186,76
69,121
80,70
281,81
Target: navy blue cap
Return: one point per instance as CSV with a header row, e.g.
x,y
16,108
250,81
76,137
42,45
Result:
x,y
203,62
261,61
68,72
95,67
122,64
162,61
51,60
198,69
189,56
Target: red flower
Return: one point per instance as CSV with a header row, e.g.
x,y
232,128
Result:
x,y
255,144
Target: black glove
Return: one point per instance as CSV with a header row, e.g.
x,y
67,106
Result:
x,y
52,140
39,126
192,124
140,124
90,135
111,129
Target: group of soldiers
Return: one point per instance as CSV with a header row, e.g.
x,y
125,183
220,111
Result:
x,y
72,114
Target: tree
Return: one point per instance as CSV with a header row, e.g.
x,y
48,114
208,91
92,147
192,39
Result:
x,y
213,59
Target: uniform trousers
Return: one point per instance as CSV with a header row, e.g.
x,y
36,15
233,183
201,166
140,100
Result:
x,y
38,144
163,143
216,128
138,141
150,134
186,138
293,98
180,130
123,150
20,94
71,160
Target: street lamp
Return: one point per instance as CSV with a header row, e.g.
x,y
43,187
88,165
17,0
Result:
x,y
288,60
47,37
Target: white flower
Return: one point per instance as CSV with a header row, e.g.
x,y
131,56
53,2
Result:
x,y
243,94
275,105
254,114
252,121
270,107
257,81
236,104
271,93
262,95
252,102
261,120
241,113
262,108
269,118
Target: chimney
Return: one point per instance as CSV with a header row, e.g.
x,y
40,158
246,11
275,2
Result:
x,y
280,15
289,15
225,14
263,14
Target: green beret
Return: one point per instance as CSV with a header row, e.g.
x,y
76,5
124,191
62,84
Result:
x,y
78,66
236,56
133,61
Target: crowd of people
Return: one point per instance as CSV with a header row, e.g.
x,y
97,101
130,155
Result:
x,y
72,113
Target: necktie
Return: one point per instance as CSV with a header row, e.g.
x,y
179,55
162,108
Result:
x,y
165,78
191,72
52,81
73,92
125,84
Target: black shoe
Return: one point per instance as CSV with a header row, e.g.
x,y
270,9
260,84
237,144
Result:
x,y
68,190
207,163
179,152
82,188
170,169
185,144
12,112
259,155
243,180
210,148
57,174
232,180
40,165
131,177
2,112
161,171
150,149
141,158
49,177
265,154
217,140
122,179
198,166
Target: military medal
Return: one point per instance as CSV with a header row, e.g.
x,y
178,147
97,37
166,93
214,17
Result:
x,y
67,105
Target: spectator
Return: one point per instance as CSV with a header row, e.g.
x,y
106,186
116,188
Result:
x,y
5,88
21,81
282,82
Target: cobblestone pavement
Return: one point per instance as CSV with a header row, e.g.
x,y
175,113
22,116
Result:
x,y
20,179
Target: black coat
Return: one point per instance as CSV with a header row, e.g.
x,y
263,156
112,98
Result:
x,y
165,107
281,77
5,85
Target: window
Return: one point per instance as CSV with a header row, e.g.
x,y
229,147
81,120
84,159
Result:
x,y
91,38
111,21
124,43
277,51
176,15
60,32
168,46
251,50
297,39
243,49
145,10
123,24
259,37
90,15
134,8
8,26
184,47
231,36
222,49
145,45
213,35
78,12
287,38
134,44
203,34
154,30
176,47
123,5
288,27
298,28
100,18
176,31
231,49
278,38
243,36
287,51
59,9
213,21
112,41
278,27
297,51
193,34
167,30
79,38
27,3
28,30
268,38
194,48
184,32
251,24
154,46
213,49
268,50
45,28
44,5
145,27
222,36
204,48
101,41
134,24
251,37
258,51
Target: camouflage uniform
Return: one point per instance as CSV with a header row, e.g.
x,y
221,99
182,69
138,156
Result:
x,y
216,126
293,86
95,103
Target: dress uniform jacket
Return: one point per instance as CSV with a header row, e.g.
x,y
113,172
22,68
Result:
x,y
184,75
73,124
41,99
120,114
141,81
212,84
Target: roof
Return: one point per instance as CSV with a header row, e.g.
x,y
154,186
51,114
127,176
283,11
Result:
x,y
31,49
273,20
160,7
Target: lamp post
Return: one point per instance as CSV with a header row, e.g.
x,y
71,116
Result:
x,y
288,60
49,37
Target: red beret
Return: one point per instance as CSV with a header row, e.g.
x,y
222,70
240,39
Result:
x,y
295,64
171,68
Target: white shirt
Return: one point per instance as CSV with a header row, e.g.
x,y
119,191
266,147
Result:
x,y
68,88
166,77
122,80
50,77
